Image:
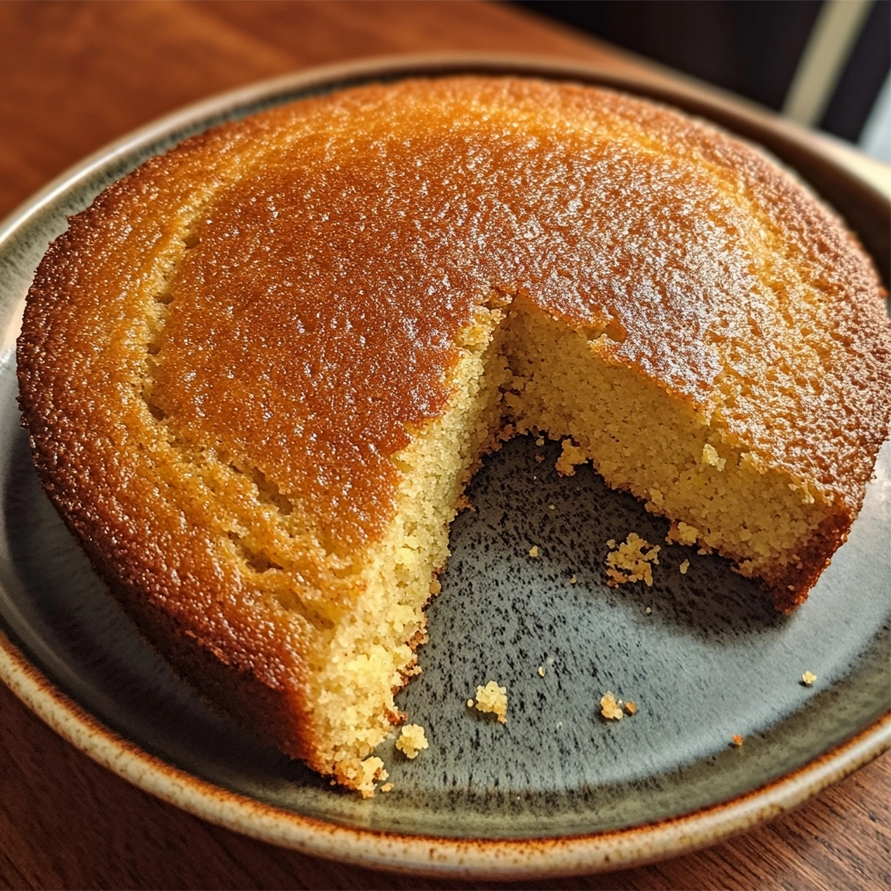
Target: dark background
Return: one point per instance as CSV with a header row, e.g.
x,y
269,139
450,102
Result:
x,y
751,47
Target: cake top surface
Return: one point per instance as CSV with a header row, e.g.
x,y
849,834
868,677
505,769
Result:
x,y
292,285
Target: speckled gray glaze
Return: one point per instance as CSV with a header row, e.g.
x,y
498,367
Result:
x,y
702,654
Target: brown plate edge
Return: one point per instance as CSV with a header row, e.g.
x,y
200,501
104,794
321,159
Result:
x,y
470,858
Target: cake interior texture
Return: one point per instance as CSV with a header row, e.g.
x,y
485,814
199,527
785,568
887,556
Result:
x,y
522,372
259,372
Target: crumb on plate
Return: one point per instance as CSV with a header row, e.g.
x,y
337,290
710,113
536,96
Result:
x,y
610,707
491,699
682,533
631,561
364,775
412,740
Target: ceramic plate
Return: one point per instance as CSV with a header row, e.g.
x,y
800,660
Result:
x,y
557,789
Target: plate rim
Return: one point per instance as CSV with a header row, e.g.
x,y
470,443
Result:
x,y
467,858
511,858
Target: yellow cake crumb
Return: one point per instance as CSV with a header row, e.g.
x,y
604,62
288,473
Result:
x,y
363,775
541,671
684,567
808,678
412,740
570,458
491,699
631,561
682,533
711,457
387,787
435,586
534,551
573,580
610,707
540,441
630,708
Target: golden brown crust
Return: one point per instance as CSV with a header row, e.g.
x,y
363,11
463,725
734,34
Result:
x,y
271,307
788,584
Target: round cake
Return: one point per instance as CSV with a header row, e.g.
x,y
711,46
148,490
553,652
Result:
x,y
259,371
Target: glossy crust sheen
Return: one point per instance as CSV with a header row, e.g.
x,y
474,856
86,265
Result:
x,y
267,312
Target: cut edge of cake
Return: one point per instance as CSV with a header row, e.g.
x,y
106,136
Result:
x,y
521,371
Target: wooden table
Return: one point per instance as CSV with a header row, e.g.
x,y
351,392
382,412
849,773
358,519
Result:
x,y
77,75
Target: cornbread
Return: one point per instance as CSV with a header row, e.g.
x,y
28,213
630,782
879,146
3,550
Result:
x,y
259,371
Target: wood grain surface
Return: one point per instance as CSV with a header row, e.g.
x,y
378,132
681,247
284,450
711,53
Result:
x,y
77,75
